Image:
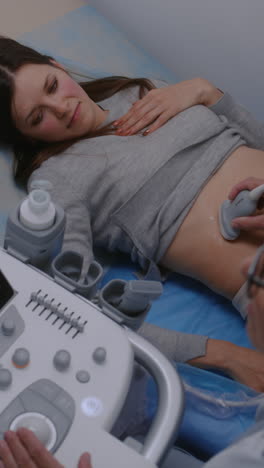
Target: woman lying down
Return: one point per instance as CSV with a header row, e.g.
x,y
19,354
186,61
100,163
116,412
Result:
x,y
140,167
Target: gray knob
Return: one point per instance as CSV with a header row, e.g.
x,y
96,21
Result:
x,y
21,357
99,355
83,376
5,378
62,360
8,326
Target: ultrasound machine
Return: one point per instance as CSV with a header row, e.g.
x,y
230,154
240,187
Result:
x,y
66,362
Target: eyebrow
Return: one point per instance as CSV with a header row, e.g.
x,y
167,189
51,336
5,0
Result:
x,y
44,88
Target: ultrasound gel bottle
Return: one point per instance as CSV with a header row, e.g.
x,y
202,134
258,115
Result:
x,y
35,229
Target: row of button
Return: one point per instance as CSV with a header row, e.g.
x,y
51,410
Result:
x,y
61,362
6,377
62,358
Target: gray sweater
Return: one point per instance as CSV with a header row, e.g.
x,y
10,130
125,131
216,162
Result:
x,y
117,191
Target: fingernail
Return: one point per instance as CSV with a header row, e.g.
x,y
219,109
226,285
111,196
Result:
x,y
116,123
146,132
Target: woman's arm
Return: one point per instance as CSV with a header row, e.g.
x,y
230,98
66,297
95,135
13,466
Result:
x,y
242,364
66,191
176,346
238,116
241,119
160,104
205,93
78,232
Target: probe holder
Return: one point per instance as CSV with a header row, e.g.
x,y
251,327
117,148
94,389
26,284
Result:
x,y
128,302
67,271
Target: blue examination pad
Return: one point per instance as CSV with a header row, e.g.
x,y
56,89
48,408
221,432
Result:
x,y
218,410
91,46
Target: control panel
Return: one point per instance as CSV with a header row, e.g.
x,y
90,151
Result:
x,y
65,369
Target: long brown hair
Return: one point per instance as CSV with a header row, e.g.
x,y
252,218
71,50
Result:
x,y
29,155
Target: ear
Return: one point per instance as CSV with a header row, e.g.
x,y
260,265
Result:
x,y
57,64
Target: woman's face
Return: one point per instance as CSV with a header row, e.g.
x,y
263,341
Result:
x,y
49,105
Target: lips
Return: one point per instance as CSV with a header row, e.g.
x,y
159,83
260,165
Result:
x,y
74,115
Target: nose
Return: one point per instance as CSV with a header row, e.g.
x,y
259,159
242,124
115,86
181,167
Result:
x,y
61,110
59,106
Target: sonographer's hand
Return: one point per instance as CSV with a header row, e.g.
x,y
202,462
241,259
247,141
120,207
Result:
x,y
22,449
246,223
160,104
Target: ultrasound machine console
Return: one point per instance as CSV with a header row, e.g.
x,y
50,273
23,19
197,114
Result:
x,y
66,365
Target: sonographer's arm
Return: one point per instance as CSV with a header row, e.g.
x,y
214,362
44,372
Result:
x,y
22,449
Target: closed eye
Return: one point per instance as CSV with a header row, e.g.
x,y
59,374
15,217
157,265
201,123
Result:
x,y
38,119
53,86
51,89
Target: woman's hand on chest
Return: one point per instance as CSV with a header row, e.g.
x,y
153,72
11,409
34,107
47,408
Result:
x,y
161,104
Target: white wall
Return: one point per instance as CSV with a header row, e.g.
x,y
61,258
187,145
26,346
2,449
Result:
x,y
222,40
20,16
